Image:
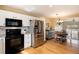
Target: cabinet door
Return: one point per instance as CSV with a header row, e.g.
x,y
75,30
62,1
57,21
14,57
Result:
x,y
1,47
2,21
26,21
27,41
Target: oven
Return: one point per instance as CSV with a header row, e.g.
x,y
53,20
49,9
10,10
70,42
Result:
x,y
14,41
14,44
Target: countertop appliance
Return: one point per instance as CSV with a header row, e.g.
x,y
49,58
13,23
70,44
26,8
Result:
x,y
37,31
14,41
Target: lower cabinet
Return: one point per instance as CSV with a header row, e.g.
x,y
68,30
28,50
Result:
x,y
27,40
2,46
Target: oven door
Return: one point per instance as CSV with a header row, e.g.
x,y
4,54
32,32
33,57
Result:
x,y
13,32
13,45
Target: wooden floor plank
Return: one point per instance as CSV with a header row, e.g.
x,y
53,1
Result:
x,y
52,47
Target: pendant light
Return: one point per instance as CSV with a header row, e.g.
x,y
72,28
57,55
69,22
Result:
x,y
59,21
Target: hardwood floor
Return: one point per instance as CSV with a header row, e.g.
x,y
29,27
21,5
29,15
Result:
x,y
52,47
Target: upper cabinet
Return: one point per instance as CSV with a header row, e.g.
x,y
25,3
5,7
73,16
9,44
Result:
x,y
26,21
2,21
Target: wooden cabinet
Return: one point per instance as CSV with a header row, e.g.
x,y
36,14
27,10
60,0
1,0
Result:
x,y
27,40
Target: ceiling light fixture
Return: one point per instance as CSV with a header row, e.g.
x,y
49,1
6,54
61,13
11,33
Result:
x,y
59,21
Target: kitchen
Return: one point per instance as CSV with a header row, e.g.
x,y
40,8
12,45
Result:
x,y
36,32
12,23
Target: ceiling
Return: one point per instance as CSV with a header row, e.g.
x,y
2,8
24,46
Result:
x,y
49,10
